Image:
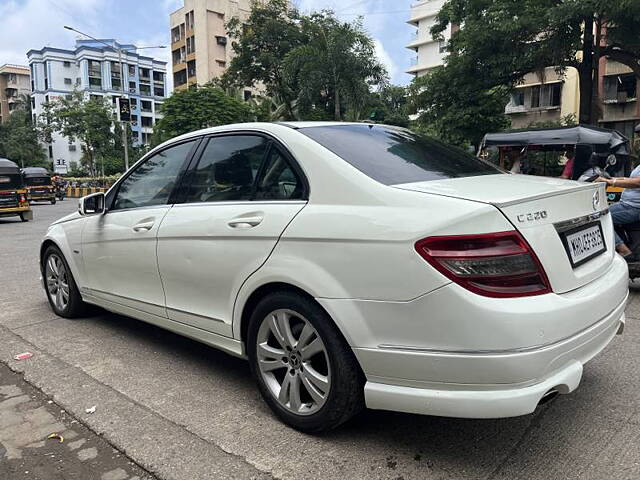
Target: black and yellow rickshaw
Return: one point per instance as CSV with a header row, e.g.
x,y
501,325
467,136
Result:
x,y
545,151
13,194
39,184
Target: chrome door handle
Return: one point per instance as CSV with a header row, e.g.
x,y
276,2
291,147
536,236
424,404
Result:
x,y
143,226
245,222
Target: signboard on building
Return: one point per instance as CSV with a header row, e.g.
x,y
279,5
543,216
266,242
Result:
x,y
124,109
60,166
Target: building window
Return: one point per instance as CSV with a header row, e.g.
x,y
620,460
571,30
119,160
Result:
x,y
620,88
78,81
221,63
95,74
517,98
158,91
133,102
189,20
134,120
221,40
144,73
66,64
191,68
68,81
68,97
46,76
97,98
550,95
442,46
191,45
72,147
145,105
247,95
145,89
175,34
146,121
51,151
33,103
132,87
180,78
132,70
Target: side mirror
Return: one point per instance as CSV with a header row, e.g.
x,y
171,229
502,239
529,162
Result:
x,y
92,204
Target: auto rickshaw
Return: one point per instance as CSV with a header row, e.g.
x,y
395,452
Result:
x,y
13,194
39,185
545,152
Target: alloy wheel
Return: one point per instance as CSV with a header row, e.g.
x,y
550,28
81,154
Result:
x,y
293,362
57,282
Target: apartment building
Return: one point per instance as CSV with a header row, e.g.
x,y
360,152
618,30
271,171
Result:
x,y
14,81
93,68
430,53
618,89
200,48
545,97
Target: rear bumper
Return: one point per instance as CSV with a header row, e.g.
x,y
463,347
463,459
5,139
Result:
x,y
500,401
454,353
10,212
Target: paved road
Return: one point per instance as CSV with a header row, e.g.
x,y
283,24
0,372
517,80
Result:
x,y
185,411
28,419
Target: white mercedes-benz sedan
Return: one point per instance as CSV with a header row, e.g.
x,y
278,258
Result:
x,y
353,265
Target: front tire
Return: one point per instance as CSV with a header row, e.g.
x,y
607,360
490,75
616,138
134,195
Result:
x,y
305,370
60,286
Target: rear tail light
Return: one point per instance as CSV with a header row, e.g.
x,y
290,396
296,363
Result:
x,y
497,265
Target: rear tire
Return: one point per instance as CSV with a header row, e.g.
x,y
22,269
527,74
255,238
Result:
x,y
60,286
305,370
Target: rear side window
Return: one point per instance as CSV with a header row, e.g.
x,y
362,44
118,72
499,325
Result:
x,y
227,169
395,156
278,180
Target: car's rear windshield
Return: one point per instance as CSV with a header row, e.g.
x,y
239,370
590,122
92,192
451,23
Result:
x,y
394,156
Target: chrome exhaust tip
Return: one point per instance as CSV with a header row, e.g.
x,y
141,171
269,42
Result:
x,y
547,397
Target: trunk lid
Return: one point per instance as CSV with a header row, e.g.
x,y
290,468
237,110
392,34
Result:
x,y
543,210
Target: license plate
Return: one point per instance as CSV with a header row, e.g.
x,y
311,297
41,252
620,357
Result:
x,y
584,243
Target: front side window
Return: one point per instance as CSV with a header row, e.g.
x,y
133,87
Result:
x,y
395,156
152,182
227,169
278,181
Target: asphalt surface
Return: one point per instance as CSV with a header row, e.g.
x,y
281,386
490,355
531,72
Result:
x,y
182,410
41,441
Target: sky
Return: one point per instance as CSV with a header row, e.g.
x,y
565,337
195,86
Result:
x,y
33,24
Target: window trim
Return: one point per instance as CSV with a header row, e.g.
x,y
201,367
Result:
x,y
113,191
271,143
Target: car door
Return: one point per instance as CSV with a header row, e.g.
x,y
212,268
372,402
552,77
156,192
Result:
x,y
119,247
241,195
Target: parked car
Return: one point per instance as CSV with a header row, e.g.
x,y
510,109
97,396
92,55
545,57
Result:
x,y
353,265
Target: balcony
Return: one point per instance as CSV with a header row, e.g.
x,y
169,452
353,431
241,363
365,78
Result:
x,y
424,9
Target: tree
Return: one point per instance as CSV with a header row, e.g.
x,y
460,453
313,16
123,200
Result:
x,y
260,45
390,105
19,137
188,110
90,121
502,40
336,67
455,108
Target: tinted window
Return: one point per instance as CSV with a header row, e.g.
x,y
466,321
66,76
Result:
x,y
394,156
151,182
278,180
227,169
